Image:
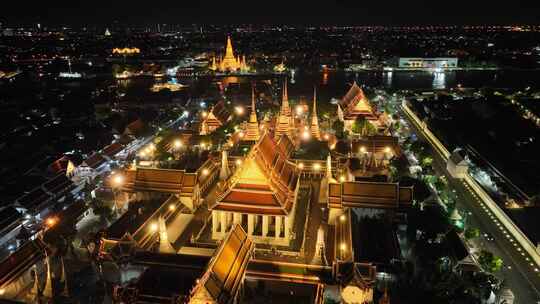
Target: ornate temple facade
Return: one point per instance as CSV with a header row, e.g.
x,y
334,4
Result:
x,y
214,119
229,63
355,104
261,195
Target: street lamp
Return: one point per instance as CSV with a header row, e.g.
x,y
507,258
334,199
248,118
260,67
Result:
x,y
239,110
306,135
51,221
178,144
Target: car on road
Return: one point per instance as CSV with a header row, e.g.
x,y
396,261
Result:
x,y
488,237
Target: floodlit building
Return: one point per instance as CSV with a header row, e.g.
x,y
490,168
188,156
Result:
x,y
457,164
229,63
217,117
149,183
261,195
355,104
427,63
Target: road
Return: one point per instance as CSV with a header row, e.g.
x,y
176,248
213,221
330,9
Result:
x,y
519,272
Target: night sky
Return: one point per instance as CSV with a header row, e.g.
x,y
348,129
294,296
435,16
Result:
x,y
356,12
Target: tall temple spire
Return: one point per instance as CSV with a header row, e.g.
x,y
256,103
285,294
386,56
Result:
x,y
285,108
47,290
229,49
63,280
284,123
33,295
252,133
329,167
315,132
224,172
164,244
320,256
340,113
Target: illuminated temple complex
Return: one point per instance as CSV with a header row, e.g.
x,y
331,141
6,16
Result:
x,y
217,229
229,63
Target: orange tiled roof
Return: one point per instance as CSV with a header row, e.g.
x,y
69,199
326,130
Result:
x,y
355,103
369,195
158,180
265,183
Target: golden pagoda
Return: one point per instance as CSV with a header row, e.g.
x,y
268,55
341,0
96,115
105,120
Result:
x,y
230,63
315,132
252,132
284,122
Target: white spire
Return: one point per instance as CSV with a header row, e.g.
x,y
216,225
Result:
x,y
63,279
340,113
320,257
224,172
329,167
164,245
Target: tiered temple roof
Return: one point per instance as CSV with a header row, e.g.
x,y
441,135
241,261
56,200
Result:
x,y
369,195
265,183
159,180
216,118
355,103
226,270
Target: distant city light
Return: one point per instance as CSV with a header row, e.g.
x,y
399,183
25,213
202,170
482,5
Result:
x,y
317,167
301,166
172,207
205,172
154,227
